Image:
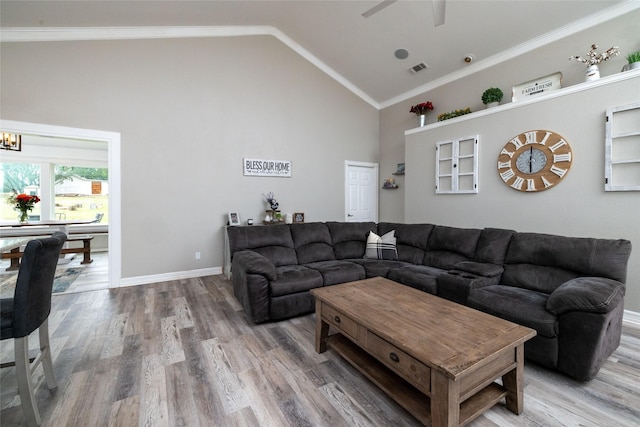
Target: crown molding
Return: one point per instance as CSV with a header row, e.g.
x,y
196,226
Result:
x,y
613,12
35,34
41,34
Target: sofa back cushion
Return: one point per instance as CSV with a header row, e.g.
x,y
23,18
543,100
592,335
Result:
x,y
350,238
543,262
272,241
411,240
312,242
448,246
493,245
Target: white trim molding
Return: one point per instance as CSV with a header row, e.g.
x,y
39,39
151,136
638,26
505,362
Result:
x,y
39,34
34,34
613,12
165,277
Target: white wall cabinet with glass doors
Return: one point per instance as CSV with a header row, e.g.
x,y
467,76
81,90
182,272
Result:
x,y
457,166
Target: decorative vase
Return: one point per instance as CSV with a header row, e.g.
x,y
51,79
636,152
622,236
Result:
x,y
493,104
23,217
423,119
593,73
634,65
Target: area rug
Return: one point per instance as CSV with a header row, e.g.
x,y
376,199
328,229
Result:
x,y
63,279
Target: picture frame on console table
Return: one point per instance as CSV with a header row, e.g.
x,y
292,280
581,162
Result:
x,y
234,219
298,217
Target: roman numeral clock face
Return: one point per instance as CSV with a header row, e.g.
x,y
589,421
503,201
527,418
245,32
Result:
x,y
534,161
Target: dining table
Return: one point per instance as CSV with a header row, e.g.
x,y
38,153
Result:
x,y
14,234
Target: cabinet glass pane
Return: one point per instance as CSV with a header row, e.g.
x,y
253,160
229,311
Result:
x,y
465,183
466,147
446,166
445,183
627,148
626,121
626,174
446,150
466,166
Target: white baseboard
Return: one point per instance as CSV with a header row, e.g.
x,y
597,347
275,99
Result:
x,y
632,317
165,277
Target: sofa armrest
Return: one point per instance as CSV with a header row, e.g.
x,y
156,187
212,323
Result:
x,y
479,268
588,294
253,263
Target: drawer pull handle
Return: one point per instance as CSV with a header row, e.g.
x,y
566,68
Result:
x,y
337,319
394,357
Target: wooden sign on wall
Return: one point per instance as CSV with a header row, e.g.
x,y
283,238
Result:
x,y
264,167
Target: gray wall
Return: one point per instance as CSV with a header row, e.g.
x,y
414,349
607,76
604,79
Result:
x,y
577,206
188,111
466,92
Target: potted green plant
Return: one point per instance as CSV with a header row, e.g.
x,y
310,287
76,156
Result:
x,y
634,60
492,97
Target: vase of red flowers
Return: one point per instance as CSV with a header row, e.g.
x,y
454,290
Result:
x,y
23,203
421,111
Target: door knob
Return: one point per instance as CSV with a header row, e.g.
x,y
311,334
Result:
x,y
349,215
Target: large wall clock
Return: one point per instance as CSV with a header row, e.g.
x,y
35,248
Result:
x,y
534,161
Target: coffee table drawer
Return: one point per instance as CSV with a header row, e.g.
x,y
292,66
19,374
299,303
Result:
x,y
406,366
340,321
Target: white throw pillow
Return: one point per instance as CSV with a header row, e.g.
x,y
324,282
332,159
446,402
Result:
x,y
381,247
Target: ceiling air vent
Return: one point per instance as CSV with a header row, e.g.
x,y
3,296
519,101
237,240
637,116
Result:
x,y
418,67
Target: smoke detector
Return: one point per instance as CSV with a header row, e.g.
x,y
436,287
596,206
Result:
x,y
418,67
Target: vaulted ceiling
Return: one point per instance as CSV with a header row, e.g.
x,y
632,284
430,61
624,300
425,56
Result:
x,y
360,50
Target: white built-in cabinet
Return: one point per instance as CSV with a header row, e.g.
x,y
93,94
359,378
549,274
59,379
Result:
x,y
622,145
457,166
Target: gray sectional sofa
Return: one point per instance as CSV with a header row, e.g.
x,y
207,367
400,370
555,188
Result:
x,y
570,290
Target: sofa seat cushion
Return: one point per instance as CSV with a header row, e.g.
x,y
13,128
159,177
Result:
x,y
295,278
521,306
421,277
334,272
379,268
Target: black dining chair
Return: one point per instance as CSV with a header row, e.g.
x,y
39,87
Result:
x,y
29,310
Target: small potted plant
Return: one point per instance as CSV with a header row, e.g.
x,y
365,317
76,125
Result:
x,y
634,60
492,97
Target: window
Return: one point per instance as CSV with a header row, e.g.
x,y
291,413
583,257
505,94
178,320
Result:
x,y
18,178
78,192
81,193
457,166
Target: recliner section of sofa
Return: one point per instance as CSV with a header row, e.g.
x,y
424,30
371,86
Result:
x,y
570,290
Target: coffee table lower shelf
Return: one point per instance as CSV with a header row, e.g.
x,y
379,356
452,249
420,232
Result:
x,y
406,395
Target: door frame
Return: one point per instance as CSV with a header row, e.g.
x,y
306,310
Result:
x,y
113,143
374,189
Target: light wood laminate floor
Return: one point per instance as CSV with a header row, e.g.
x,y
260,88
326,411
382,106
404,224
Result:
x,y
181,353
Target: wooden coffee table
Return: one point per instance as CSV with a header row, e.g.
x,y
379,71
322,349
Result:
x,y
438,359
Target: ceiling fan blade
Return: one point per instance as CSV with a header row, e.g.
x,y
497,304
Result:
x,y
439,7
377,8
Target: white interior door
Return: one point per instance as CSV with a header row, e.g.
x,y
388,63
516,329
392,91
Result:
x,y
361,191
